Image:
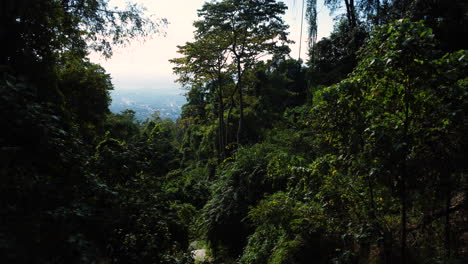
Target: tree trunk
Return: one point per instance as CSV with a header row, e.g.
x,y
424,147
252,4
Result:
x,y
377,13
404,171
227,138
447,224
351,13
403,215
241,102
221,121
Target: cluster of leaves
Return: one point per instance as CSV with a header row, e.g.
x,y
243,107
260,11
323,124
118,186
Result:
x,y
370,169
390,148
70,192
145,221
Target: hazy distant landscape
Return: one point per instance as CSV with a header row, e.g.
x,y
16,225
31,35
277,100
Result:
x,y
146,101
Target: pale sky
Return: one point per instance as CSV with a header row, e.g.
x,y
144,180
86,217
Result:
x,y
146,66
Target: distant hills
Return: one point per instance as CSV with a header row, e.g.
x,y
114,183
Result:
x,y
146,101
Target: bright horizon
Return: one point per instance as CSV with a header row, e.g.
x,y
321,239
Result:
x,y
145,65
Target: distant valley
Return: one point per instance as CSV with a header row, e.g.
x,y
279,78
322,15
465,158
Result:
x,y
146,101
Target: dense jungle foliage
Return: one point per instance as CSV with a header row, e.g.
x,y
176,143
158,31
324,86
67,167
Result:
x,y
358,155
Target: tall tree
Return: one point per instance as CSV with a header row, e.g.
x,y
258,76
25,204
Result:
x,y
204,61
252,29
